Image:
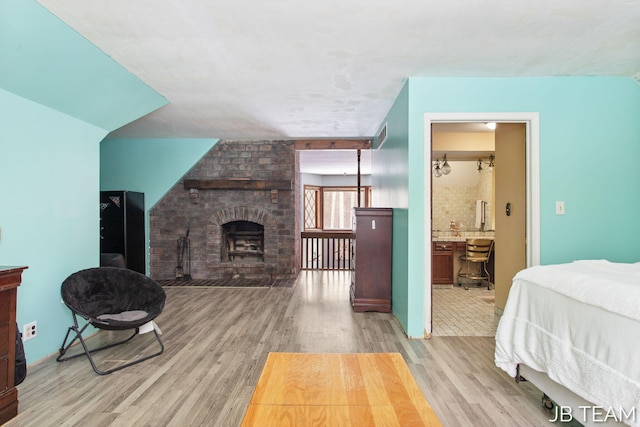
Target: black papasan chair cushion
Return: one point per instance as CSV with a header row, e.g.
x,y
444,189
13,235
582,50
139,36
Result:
x,y
113,298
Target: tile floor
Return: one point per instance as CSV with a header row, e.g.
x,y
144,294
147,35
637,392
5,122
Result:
x,y
457,312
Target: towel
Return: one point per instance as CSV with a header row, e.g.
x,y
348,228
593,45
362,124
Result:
x,y
479,214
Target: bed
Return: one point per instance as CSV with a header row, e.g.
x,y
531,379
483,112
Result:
x,y
573,330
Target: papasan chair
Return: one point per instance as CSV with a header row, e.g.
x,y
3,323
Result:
x,y
113,299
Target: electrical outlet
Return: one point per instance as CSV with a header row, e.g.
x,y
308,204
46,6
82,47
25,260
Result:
x,y
30,330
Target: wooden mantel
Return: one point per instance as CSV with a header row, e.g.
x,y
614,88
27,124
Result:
x,y
236,184
333,144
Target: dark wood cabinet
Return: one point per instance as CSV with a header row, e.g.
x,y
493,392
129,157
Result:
x,y
371,259
122,227
445,264
10,278
442,263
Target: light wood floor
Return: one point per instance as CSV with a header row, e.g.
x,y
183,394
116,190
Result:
x,y
217,340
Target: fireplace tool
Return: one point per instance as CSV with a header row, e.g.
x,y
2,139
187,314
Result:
x,y
183,271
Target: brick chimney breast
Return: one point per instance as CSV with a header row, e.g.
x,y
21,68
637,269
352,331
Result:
x,y
237,161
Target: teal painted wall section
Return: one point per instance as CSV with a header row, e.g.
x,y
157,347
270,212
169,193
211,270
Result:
x,y
390,185
149,166
400,289
49,176
589,145
390,162
44,60
59,97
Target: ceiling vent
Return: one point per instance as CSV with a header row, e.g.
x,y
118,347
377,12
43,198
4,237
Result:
x,y
382,136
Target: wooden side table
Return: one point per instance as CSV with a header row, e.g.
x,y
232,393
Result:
x,y
360,389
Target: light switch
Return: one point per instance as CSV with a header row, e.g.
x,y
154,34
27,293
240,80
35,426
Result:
x,y
373,224
559,208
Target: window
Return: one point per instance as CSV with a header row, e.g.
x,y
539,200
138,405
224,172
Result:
x,y
337,206
329,208
311,207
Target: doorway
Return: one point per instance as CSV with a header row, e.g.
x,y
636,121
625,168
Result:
x,y
530,210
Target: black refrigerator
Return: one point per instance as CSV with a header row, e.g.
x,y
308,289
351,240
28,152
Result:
x,y
122,227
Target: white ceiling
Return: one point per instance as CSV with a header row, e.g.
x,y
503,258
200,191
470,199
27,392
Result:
x,y
281,69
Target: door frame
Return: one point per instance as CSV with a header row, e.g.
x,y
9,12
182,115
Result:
x,y
532,148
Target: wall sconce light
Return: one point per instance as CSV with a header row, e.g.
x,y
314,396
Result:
x,y
445,166
438,171
490,163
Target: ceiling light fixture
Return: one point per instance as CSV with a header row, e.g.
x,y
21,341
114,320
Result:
x,y
491,125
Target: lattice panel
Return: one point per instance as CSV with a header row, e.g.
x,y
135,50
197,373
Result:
x,y
310,209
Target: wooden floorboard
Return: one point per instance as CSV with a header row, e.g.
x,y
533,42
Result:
x,y
217,341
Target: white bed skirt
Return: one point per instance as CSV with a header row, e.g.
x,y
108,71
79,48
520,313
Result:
x,y
578,341
570,406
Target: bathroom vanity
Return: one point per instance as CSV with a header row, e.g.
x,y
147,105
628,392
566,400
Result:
x,y
445,258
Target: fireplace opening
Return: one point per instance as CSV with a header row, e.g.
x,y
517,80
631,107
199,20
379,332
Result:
x,y
242,241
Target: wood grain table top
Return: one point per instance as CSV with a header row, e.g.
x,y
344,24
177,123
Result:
x,y
363,389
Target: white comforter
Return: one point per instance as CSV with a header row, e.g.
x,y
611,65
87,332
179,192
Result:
x,y
580,324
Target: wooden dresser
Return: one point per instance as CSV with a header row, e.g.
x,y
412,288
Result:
x,y
10,278
371,259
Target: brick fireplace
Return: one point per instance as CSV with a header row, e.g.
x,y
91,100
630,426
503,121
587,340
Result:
x,y
238,205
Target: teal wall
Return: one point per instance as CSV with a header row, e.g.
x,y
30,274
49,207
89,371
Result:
x,y
44,60
589,146
48,214
150,166
390,174
59,97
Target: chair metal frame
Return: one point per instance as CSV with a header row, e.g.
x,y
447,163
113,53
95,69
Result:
x,y
477,252
77,335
